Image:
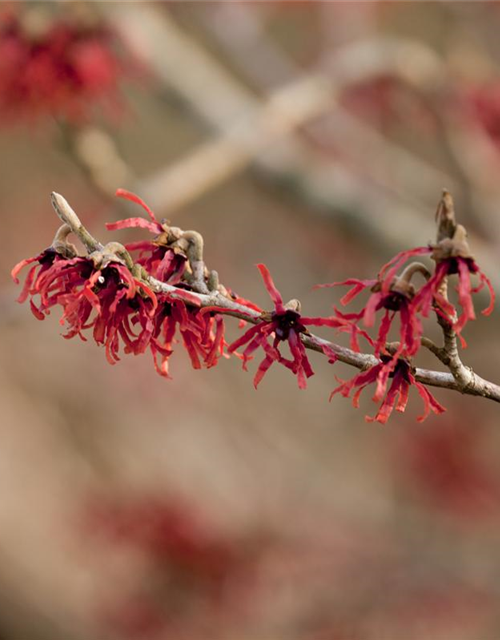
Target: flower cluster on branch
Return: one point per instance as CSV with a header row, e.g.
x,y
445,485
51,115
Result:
x,y
153,294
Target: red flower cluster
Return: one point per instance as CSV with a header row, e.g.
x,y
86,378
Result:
x,y
61,70
397,295
101,293
106,299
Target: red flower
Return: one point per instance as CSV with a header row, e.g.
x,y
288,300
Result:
x,y
122,304
397,395
393,294
63,71
286,325
108,299
453,257
463,267
51,275
398,299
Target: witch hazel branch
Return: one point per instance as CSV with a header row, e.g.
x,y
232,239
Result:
x,y
156,294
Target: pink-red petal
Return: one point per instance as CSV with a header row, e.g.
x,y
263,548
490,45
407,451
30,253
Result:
x,y
128,195
271,288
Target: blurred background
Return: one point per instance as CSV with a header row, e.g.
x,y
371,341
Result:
x,y
313,137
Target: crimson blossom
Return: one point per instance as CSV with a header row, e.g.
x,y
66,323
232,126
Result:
x,y
107,299
396,396
453,257
286,324
392,294
395,298
61,70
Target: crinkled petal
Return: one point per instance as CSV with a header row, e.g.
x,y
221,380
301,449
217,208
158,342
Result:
x,y
430,402
385,326
390,269
134,223
357,287
372,306
20,265
329,353
246,337
271,288
464,296
404,392
485,280
128,195
262,370
387,406
383,377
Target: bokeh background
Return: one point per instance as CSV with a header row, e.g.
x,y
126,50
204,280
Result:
x,y
313,137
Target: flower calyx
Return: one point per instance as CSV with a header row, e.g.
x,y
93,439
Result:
x,y
61,245
455,247
403,285
168,237
113,252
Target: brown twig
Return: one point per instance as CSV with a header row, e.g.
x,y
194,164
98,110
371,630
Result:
x,y
474,386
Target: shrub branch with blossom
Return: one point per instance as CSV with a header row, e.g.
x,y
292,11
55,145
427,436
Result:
x,y
151,295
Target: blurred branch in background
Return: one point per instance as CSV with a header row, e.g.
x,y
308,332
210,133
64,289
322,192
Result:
x,y
375,156
377,200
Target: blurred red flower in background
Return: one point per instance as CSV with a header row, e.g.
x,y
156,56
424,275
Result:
x,y
482,102
60,67
446,467
200,575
